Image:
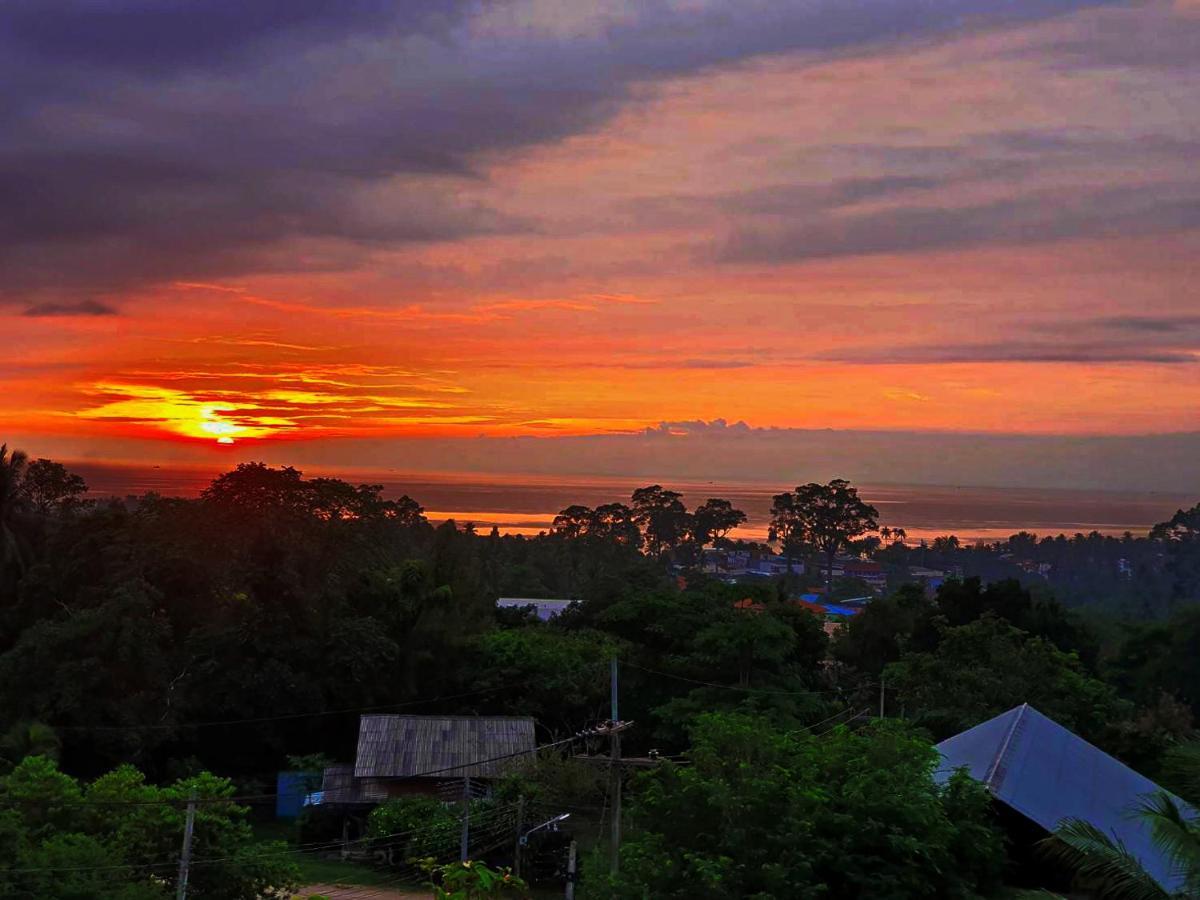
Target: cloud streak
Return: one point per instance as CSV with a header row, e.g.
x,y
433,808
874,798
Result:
x,y
1039,218
150,142
82,308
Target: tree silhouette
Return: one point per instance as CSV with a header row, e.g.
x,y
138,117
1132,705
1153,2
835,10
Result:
x,y
662,516
49,486
13,465
825,516
712,520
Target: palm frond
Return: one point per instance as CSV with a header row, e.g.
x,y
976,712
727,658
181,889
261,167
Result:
x,y
1101,862
1174,835
1181,770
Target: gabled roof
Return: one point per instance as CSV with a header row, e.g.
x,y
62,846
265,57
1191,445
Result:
x,y
1047,773
439,746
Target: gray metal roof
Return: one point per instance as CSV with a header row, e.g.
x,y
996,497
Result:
x,y
1048,774
439,746
338,785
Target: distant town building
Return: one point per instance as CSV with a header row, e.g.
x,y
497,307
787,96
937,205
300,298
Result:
x,y
930,579
863,569
733,565
546,609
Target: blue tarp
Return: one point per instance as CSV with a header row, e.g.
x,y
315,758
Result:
x,y
835,610
290,791
1047,773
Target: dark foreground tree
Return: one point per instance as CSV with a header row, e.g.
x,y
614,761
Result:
x,y
119,837
765,813
12,499
50,487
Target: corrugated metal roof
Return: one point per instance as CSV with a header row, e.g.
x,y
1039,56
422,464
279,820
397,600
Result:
x,y
1049,774
338,785
451,746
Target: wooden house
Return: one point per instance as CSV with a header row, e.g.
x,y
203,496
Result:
x,y
404,755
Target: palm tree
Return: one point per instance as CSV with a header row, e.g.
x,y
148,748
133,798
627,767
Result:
x,y
1107,866
12,471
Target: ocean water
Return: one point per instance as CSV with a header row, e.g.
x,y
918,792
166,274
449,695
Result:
x,y
527,504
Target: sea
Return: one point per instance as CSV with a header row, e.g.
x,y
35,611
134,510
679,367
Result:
x,y
527,504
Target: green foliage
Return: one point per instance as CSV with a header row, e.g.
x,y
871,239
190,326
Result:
x,y
275,595
472,879
982,669
28,739
418,826
556,677
880,633
120,837
766,813
1162,658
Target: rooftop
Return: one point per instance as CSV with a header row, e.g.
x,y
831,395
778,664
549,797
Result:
x,y
439,746
1047,773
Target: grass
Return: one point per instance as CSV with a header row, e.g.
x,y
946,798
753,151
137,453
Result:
x,y
317,870
314,870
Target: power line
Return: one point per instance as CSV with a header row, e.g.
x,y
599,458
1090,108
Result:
x,y
730,687
840,712
837,725
221,723
34,801
489,816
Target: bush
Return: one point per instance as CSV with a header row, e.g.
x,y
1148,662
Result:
x,y
412,827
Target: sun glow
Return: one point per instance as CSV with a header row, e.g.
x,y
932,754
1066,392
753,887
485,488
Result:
x,y
224,431
181,413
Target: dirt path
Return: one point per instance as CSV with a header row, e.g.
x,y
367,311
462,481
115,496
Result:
x,y
358,892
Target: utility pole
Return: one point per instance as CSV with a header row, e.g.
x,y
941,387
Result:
x,y
881,689
571,872
185,856
614,743
464,839
517,842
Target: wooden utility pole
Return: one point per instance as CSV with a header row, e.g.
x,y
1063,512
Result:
x,y
614,743
465,838
517,841
571,871
185,856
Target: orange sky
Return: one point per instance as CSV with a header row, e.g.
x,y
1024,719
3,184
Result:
x,y
993,229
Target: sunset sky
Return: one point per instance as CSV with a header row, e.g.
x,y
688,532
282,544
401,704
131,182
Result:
x,y
369,233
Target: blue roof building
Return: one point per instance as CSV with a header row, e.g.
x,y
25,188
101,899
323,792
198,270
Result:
x,y
1045,772
546,609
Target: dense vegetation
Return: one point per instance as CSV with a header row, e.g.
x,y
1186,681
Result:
x,y
118,837
229,632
